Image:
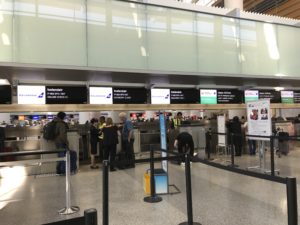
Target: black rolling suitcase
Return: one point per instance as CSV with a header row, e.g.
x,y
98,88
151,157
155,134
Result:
x,y
61,165
283,142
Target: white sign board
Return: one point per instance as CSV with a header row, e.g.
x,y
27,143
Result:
x,y
160,96
101,95
259,119
31,95
221,129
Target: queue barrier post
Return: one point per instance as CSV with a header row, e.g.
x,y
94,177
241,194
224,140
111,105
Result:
x,y
68,209
272,156
292,207
189,192
153,198
105,193
90,217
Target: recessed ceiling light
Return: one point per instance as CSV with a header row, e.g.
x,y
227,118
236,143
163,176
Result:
x,y
279,88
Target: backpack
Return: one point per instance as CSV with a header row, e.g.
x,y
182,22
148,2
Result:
x,y
49,131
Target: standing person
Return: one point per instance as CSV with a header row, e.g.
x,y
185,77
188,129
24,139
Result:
x,y
100,127
174,129
94,133
251,142
110,141
61,128
127,139
185,143
234,127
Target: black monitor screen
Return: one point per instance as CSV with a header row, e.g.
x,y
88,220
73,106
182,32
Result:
x,y
129,96
66,95
230,96
273,95
5,94
184,96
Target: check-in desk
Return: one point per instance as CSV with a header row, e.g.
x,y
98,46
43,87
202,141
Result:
x,y
30,139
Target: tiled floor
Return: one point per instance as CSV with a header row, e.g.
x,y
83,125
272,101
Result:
x,y
219,198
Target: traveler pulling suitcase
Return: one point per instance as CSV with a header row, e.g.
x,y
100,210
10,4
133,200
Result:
x,y
61,165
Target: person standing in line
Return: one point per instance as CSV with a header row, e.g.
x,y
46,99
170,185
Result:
x,y
251,142
100,127
110,141
94,133
234,127
127,139
61,128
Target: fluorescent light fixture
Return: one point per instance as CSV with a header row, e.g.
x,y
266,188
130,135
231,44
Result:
x,y
5,39
132,5
270,37
4,82
143,51
280,75
278,88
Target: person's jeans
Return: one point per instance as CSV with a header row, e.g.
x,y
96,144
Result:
x,y
252,146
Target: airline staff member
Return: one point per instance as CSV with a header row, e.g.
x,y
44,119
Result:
x,y
174,129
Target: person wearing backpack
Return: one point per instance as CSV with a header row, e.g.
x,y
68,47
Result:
x,y
61,128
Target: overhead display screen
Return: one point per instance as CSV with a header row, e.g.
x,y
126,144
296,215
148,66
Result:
x,y
208,96
160,96
273,95
31,95
251,95
184,96
287,96
5,94
101,95
229,96
66,95
129,95
296,96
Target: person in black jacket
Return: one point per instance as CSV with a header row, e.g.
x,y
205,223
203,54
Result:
x,y
185,143
94,133
110,141
235,129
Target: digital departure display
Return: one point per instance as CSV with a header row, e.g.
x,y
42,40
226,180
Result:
x,y
273,95
184,96
208,96
251,95
287,96
296,96
66,95
5,94
129,96
160,96
230,96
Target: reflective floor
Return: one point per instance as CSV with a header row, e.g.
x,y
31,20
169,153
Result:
x,y
219,198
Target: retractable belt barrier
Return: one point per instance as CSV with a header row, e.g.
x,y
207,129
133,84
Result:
x,y
290,182
66,210
153,198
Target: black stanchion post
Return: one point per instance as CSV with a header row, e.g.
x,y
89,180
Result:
x,y
272,156
291,191
90,217
105,193
188,184
153,198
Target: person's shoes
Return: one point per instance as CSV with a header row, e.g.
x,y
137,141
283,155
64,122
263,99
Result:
x,y
112,169
131,166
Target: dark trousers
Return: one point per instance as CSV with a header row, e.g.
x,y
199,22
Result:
x,y
129,153
237,142
110,154
252,146
185,147
101,147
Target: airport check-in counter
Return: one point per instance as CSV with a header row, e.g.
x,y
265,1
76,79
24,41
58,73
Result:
x,y
30,139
